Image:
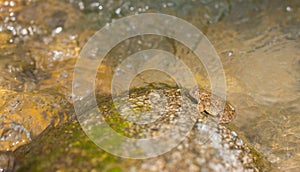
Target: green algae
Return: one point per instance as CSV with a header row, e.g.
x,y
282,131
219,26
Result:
x,y
66,148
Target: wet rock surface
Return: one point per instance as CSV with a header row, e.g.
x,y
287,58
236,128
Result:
x,y
25,115
208,147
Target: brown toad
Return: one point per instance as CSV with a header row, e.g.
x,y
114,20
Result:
x,y
219,109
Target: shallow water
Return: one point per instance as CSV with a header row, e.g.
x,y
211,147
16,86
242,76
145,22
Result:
x,y
257,41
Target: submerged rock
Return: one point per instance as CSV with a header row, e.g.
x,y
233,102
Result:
x,y
209,146
23,116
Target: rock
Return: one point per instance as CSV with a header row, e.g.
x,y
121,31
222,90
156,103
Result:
x,y
23,116
209,146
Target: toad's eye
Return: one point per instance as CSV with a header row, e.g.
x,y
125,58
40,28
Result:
x,y
206,112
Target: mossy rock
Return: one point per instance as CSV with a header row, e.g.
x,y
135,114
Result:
x,y
68,148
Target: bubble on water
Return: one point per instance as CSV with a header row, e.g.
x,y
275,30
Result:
x,y
229,53
11,3
118,11
11,41
57,30
81,5
289,9
131,8
6,3
24,31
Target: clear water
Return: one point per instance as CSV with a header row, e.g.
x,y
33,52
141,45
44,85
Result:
x,y
258,43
